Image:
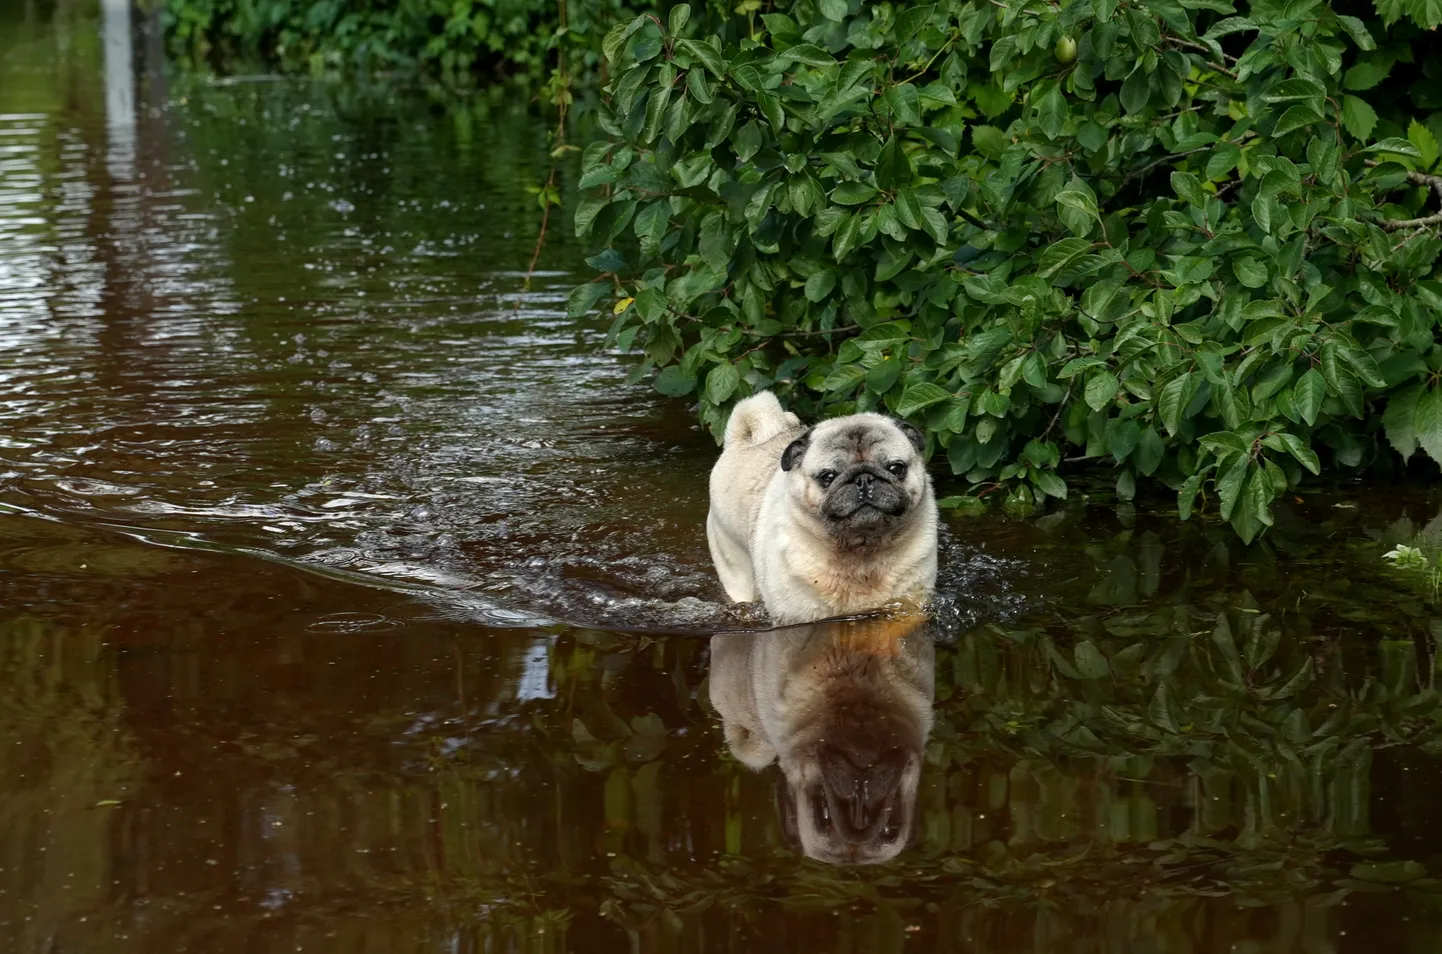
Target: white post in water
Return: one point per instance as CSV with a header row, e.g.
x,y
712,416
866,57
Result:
x,y
119,89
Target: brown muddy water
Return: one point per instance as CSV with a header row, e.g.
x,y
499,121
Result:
x,y
351,600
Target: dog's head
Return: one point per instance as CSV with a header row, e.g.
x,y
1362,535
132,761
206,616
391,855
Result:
x,y
861,476
848,796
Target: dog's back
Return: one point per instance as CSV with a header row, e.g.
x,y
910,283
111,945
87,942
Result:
x,y
756,435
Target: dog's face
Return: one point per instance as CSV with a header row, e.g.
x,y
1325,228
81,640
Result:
x,y
860,476
849,793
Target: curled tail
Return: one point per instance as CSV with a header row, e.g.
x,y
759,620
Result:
x,y
758,419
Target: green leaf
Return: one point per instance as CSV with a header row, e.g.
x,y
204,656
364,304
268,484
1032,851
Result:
x,y
680,13
747,141
645,47
908,209
1223,160
893,167
1421,137
852,193
1399,421
1298,448
770,105
708,54
1395,144
918,396
846,237
615,40
673,382
1136,90
905,103
1148,455
989,141
881,378
1188,495
721,382
820,284
1428,423
1296,117
1298,88
935,225
1051,112
1358,117
1089,662
1189,187
1225,443
1059,254
1078,210
1250,272
1100,389
714,242
1229,486
586,212
1092,136
1159,710
806,53
697,86
607,260
1366,73
844,377
1049,483
650,225
1174,399
911,19
1358,32
1308,393
584,297
655,113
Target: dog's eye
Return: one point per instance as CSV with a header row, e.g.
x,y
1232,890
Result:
x,y
826,477
898,469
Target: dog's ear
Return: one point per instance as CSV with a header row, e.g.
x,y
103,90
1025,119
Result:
x,y
795,450
918,439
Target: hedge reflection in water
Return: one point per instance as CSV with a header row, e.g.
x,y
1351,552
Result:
x,y
1182,753
1152,740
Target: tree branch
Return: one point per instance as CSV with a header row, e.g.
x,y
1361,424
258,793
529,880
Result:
x,y
1423,179
1426,221
1392,225
1189,45
807,334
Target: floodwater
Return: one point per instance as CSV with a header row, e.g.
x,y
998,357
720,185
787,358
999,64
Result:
x,y
352,600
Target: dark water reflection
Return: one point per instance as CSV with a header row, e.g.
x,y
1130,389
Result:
x,y
337,568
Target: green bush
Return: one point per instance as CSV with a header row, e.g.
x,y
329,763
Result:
x,y
452,38
1192,245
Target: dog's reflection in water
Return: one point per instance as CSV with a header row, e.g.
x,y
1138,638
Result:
x,y
845,707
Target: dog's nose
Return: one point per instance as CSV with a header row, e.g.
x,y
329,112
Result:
x,y
863,484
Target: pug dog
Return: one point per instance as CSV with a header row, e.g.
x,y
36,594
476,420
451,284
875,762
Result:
x,y
845,707
824,521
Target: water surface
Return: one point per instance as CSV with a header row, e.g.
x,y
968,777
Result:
x,y
352,599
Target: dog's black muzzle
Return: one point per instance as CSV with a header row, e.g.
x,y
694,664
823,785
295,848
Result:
x,y
865,493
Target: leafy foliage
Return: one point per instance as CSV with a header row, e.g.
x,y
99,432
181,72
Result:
x,y
1189,245
450,39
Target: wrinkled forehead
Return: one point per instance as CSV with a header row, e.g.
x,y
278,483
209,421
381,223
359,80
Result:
x,y
846,441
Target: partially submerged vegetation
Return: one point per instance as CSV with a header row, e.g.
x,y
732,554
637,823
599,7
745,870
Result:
x,y
1161,238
